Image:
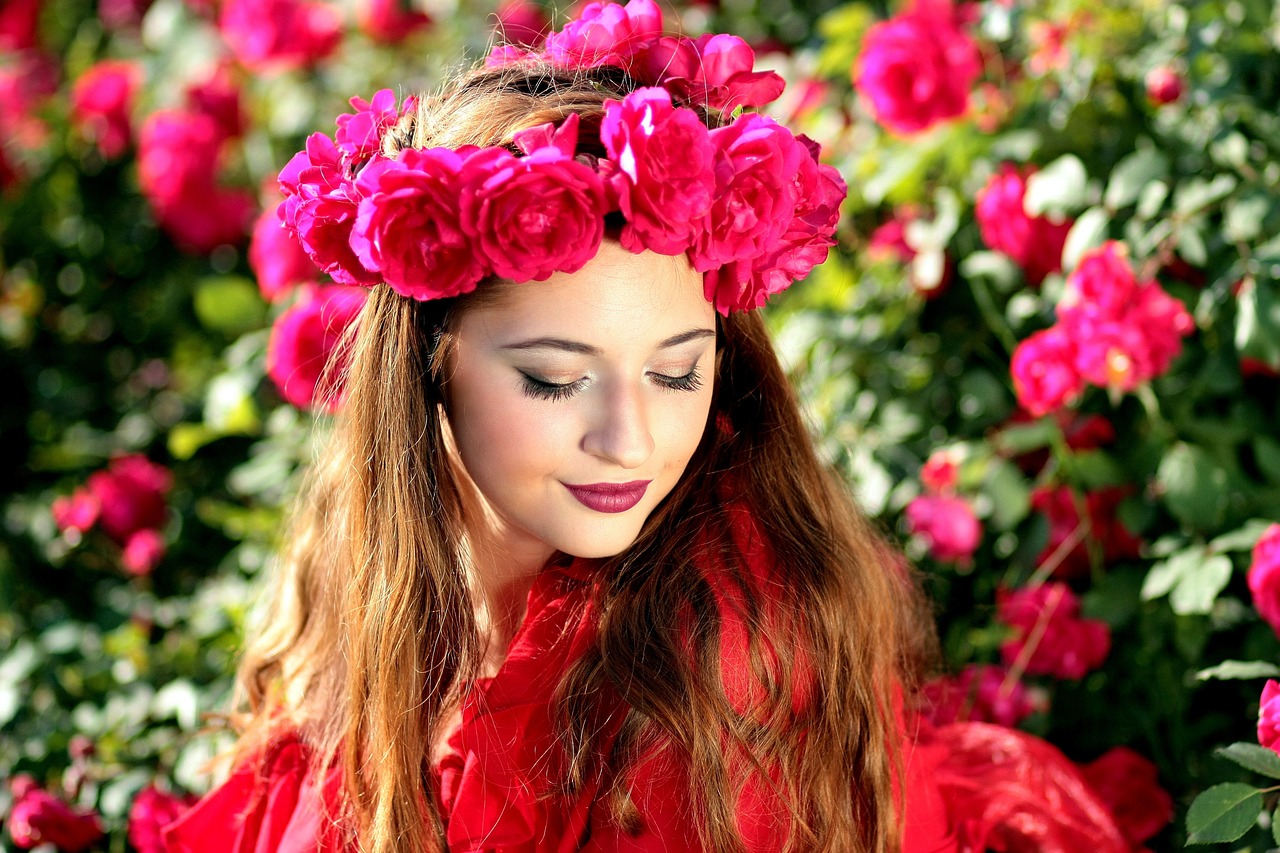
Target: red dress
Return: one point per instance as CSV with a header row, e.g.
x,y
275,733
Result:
x,y
963,783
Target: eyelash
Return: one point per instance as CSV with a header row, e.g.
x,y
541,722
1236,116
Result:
x,y
540,390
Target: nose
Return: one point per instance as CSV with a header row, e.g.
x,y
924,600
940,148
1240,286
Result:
x,y
619,432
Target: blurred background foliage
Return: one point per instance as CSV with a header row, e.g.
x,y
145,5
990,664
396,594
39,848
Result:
x,y
1155,124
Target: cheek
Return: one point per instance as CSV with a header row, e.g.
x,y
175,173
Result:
x,y
503,434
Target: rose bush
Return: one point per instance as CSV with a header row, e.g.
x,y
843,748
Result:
x,y
1045,349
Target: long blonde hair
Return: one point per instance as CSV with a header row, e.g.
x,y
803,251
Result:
x,y
371,633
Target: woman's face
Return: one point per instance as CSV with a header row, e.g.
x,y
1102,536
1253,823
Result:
x,y
575,403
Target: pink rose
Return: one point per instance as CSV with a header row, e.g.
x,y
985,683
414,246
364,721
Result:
x,y
1058,505
1045,376
178,156
218,97
1269,716
940,473
1111,354
26,80
142,552
1101,287
713,70
889,242
1164,85
101,101
131,493
151,812
521,22
1264,576
359,135
1033,242
38,817
304,356
606,34
666,170
1050,638
273,35
1128,784
505,54
946,524
390,21
916,69
535,215
980,693
409,227
77,512
320,208
277,258
755,196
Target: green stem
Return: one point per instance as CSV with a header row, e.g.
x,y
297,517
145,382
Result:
x,y
995,320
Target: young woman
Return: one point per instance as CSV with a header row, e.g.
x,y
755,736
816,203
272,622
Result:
x,y
569,575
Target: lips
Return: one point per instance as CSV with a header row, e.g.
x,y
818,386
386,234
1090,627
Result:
x,y
609,497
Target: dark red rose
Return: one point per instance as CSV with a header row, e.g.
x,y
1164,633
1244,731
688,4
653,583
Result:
x,y
1128,784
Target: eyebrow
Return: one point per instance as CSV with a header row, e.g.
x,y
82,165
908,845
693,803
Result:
x,y
588,349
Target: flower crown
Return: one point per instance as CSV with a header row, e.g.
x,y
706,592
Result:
x,y
748,202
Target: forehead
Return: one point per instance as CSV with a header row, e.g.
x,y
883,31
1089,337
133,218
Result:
x,y
618,299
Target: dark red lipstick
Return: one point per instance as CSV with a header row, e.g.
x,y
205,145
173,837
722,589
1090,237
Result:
x,y
609,497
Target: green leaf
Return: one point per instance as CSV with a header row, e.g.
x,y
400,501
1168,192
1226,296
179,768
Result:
x,y
1165,575
229,304
1223,813
1258,321
1197,194
1194,487
1266,452
1191,244
1242,218
1275,825
1239,669
1253,757
1088,232
1060,187
1242,538
1132,175
1199,586
1010,495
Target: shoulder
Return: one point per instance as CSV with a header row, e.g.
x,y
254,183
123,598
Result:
x,y
269,803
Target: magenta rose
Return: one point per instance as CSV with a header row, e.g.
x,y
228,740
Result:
x,y
946,524
1045,376
115,14
1264,576
940,472
151,812
1128,784
409,227
359,134
713,70
101,102
1050,637
1164,85
535,215
78,512
1101,287
390,21
980,693
178,156
755,198
1111,354
1033,242
19,24
520,22
665,174
38,817
131,496
218,97
1164,322
1113,540
272,35
818,190
320,208
142,553
305,358
277,258
1269,716
917,69
606,34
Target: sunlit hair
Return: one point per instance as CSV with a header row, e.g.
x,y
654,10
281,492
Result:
x,y
372,633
